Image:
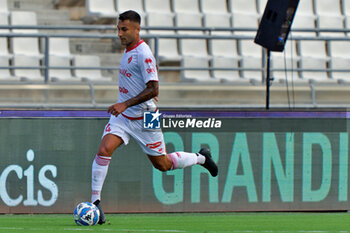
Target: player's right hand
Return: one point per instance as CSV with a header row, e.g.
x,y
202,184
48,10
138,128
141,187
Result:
x,y
117,108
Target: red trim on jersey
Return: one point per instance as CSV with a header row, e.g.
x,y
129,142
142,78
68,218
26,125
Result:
x,y
140,42
132,118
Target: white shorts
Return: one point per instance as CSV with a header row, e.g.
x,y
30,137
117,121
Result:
x,y
150,141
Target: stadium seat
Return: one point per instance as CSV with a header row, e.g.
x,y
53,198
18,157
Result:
x,y
340,48
245,21
305,8
243,6
125,5
331,22
3,40
220,47
191,47
5,74
340,59
89,74
101,9
251,55
202,75
24,18
288,59
33,74
253,63
168,49
226,75
283,74
159,6
303,22
61,74
136,5
261,4
28,46
59,47
313,56
217,6
326,7
185,6
4,6
340,63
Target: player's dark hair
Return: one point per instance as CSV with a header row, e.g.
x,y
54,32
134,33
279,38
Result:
x,y
131,15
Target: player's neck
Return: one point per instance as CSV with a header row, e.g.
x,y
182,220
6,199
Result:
x,y
133,44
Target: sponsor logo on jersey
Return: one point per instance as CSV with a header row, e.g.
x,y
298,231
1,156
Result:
x,y
150,70
148,60
123,90
125,73
129,59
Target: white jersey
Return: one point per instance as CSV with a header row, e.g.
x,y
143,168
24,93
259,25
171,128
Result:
x,y
137,68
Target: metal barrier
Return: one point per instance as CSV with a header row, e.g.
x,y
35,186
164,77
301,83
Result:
x,y
156,37
46,67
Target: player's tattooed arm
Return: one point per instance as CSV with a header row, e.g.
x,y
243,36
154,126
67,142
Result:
x,y
151,91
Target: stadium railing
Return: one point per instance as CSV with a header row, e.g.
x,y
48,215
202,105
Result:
x,y
103,35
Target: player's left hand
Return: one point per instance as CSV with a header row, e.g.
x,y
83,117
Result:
x,y
117,108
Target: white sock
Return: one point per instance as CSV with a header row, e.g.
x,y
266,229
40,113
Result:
x,y
99,173
182,159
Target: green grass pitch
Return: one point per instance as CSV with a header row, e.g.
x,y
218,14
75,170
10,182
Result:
x,y
193,222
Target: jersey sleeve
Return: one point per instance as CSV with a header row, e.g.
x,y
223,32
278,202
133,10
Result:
x,y
147,64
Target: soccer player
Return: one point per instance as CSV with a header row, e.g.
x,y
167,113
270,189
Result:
x,y
138,85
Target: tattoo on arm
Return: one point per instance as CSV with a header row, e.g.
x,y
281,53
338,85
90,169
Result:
x,y
151,91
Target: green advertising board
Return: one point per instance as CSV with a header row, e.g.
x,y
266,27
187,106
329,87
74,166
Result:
x,y
268,161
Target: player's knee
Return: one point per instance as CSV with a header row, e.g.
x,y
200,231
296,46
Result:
x,y
103,151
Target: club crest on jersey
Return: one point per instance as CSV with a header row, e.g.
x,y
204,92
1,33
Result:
x,y
129,59
148,60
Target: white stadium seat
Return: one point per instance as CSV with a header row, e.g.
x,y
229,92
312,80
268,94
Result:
x,y
102,9
251,55
331,22
261,6
313,56
340,59
5,74
61,74
303,22
4,6
28,46
89,74
59,47
214,6
136,5
305,7
327,7
33,74
288,59
3,40
191,47
221,47
227,75
202,74
245,21
168,49
340,63
159,6
243,6
185,6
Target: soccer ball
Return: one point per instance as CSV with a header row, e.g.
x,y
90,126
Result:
x,y
86,214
